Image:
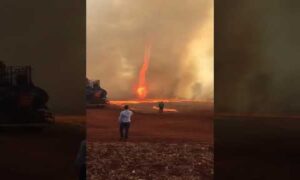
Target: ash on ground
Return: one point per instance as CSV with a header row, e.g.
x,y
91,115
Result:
x,y
143,161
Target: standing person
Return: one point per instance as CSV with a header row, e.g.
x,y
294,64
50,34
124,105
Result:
x,y
161,106
124,120
81,161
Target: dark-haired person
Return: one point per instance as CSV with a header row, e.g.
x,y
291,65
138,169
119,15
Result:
x,y
124,120
161,106
3,80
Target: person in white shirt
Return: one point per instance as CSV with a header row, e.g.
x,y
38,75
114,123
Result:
x,y
124,120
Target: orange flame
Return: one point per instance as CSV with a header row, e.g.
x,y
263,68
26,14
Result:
x,y
142,90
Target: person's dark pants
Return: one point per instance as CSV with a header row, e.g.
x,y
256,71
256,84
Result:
x,y
161,110
82,172
124,128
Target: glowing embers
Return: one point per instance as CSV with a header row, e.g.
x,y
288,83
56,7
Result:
x,y
171,105
150,101
165,109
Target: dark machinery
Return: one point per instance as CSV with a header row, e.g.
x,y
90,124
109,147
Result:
x,y
21,102
95,95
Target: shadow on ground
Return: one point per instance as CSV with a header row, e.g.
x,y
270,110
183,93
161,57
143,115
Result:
x,y
257,148
46,154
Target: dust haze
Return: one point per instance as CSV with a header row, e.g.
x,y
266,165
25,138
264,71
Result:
x,y
256,67
181,34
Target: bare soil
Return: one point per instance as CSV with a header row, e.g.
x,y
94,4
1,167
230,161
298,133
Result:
x,y
46,154
160,146
191,126
149,161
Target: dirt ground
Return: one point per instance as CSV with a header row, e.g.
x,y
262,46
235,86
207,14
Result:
x,y
157,145
267,147
41,155
191,126
149,161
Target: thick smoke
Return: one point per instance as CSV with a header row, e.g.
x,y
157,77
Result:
x,y
256,66
181,58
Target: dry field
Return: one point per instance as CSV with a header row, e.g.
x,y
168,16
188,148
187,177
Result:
x,y
160,146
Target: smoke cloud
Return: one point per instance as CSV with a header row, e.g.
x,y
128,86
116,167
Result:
x,y
181,33
256,67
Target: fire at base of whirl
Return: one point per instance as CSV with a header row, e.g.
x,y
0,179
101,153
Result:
x,y
96,96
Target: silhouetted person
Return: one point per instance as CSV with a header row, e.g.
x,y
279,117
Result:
x,y
161,106
96,85
124,120
4,89
89,91
2,72
81,161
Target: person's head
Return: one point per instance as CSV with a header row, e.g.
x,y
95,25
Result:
x,y
126,107
2,65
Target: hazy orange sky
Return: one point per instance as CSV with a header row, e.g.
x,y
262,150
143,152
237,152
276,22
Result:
x,y
181,60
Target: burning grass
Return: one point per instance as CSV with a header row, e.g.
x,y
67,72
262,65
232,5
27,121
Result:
x,y
171,105
150,101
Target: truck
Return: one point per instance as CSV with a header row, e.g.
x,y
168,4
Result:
x,y
22,103
95,95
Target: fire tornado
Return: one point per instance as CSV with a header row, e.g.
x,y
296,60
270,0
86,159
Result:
x,y
142,89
